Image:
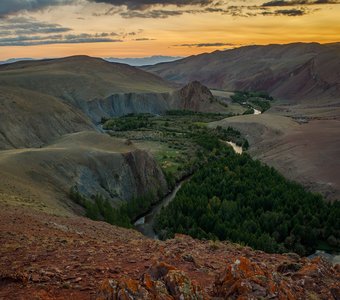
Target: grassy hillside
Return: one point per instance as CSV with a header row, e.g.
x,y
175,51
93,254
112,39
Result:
x,y
95,163
80,78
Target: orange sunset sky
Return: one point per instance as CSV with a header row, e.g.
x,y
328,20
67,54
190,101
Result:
x,y
138,28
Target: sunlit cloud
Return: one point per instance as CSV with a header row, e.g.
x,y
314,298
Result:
x,y
202,45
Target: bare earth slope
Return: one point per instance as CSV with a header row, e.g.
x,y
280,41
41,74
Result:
x,y
31,119
293,73
308,152
75,258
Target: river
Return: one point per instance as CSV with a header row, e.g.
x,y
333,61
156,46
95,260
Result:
x,y
145,223
256,112
237,149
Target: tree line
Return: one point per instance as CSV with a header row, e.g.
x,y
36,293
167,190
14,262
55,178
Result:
x,y
233,197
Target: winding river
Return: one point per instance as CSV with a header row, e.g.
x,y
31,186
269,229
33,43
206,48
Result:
x,y
145,223
256,112
237,149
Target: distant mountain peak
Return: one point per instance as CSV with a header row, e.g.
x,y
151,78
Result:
x,y
144,61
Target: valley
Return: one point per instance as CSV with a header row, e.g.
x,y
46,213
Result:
x,y
223,165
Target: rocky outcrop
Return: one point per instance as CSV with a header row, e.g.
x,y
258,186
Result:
x,y
161,281
244,278
54,257
127,103
194,96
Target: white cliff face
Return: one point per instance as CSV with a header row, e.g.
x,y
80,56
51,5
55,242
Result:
x,y
127,103
193,96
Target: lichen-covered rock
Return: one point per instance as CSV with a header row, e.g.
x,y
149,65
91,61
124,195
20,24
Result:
x,y
122,289
245,278
161,282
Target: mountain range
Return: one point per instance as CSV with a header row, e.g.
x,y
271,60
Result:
x,y
143,61
132,61
293,73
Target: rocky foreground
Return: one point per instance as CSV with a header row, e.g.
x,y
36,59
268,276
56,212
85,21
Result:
x,y
51,257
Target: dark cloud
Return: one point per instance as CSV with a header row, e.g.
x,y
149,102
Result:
x,y
29,32
286,12
254,10
8,7
144,4
201,45
151,14
54,39
160,9
298,2
143,39
29,26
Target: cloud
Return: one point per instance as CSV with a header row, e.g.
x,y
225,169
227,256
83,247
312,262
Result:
x,y
298,2
152,14
144,4
54,39
28,32
286,12
8,7
201,45
155,9
143,39
29,26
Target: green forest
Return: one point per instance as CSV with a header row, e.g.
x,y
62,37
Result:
x,y
259,100
229,197
236,198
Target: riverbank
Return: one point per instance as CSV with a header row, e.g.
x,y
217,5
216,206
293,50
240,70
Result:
x,y
146,222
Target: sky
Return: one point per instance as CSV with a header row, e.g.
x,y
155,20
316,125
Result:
x,y
139,28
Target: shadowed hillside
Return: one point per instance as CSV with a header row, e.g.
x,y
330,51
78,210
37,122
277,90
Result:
x,y
31,119
93,162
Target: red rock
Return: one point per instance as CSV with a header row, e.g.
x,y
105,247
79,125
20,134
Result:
x,y
161,270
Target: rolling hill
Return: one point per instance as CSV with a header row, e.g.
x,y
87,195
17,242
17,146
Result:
x,y
50,142
41,100
41,178
80,78
294,73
